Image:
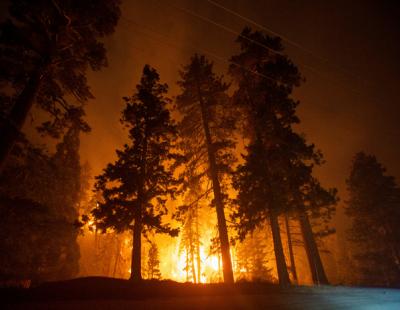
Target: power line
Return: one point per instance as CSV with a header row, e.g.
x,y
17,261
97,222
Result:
x,y
222,59
257,24
291,42
196,48
230,30
219,58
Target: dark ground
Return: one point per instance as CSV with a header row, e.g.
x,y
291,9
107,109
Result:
x,y
106,293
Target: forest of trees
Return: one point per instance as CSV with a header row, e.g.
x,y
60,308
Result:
x,y
224,148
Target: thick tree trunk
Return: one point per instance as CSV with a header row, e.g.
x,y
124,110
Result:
x,y
136,268
290,247
116,258
136,264
15,120
192,264
278,249
314,259
198,246
219,206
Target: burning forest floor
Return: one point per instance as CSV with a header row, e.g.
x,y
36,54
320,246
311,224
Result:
x,y
107,293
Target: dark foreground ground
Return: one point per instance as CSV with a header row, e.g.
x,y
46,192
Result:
x,y
105,293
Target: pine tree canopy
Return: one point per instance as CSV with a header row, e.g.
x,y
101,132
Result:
x,y
278,165
57,42
199,83
144,168
374,207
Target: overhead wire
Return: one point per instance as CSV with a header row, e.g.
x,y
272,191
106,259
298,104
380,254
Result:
x,y
258,25
291,42
205,51
196,48
168,42
230,30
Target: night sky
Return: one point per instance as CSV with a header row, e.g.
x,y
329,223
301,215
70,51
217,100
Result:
x,y
348,55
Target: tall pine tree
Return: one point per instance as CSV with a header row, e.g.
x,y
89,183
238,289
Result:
x,y
135,188
40,195
153,263
374,207
207,128
277,169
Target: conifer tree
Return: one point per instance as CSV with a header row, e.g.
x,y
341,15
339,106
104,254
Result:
x,y
153,263
45,190
277,169
135,188
46,48
189,215
252,257
207,128
261,197
190,242
374,207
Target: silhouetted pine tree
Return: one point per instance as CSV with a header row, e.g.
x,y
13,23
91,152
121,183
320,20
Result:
x,y
316,205
207,128
278,165
190,240
40,195
374,207
46,47
252,255
136,186
189,215
261,197
153,263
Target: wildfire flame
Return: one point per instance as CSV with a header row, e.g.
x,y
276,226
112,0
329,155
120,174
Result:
x,y
210,267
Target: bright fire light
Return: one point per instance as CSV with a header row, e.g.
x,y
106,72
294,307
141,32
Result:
x,y
209,264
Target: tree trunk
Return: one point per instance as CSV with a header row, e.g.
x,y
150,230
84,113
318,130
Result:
x,y
219,206
136,268
290,247
198,246
278,249
191,247
314,259
187,264
116,257
192,264
136,265
15,120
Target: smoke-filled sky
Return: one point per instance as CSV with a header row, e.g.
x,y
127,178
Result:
x,y
346,50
